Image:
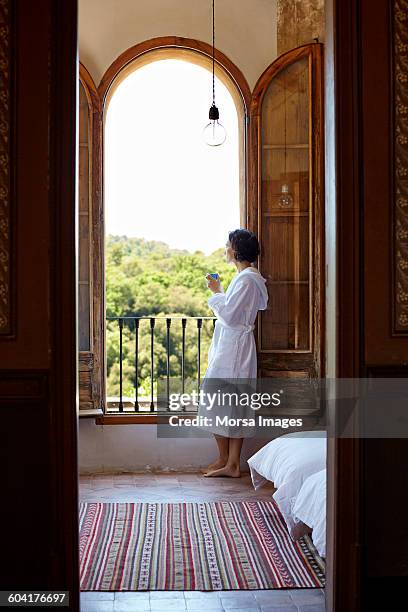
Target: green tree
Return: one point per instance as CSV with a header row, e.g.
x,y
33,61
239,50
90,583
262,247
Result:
x,y
149,279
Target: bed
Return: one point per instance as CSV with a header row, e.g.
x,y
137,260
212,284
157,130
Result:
x,y
309,511
288,462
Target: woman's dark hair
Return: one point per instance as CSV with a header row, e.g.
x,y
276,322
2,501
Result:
x,y
245,245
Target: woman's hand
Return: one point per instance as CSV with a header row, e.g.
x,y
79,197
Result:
x,y
213,284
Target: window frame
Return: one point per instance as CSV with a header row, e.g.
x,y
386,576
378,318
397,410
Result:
x,y
169,47
92,361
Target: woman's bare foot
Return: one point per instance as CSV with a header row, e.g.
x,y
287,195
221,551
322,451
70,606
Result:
x,y
217,465
228,470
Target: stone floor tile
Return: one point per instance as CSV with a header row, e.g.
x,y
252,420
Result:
x,y
164,609
154,595
102,482
203,605
244,609
312,608
307,596
241,600
131,606
237,593
121,479
172,605
97,595
203,595
273,597
96,606
174,487
279,608
132,596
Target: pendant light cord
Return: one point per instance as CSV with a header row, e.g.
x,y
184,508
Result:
x,y
213,48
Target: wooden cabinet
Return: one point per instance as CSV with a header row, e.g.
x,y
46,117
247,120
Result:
x,y
287,211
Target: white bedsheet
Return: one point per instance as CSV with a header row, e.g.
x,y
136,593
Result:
x,y
287,462
310,508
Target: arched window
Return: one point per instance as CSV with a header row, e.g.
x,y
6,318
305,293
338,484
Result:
x,y
132,159
280,153
163,184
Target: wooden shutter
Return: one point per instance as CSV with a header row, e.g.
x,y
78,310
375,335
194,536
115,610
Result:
x,y
286,147
90,228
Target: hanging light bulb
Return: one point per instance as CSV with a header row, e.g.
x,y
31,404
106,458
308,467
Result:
x,y
285,199
214,132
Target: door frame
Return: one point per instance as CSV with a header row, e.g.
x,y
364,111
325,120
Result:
x,y
343,185
344,316
63,263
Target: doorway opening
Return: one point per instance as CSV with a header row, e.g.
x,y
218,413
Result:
x,y
150,470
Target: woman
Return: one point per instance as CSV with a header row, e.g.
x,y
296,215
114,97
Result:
x,y
232,353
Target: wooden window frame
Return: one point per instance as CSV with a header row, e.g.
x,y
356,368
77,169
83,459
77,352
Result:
x,y
249,108
92,361
169,47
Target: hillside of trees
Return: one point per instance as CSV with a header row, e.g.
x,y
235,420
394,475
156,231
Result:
x,y
148,278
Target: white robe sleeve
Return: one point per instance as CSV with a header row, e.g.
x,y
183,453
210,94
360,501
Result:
x,y
229,309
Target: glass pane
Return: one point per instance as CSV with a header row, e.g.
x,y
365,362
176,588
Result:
x,y
285,209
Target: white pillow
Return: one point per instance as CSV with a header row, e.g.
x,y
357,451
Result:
x,y
310,508
287,462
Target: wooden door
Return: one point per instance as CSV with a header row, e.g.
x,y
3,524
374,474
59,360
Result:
x,y
286,192
38,348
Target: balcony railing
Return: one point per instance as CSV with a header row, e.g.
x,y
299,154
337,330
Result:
x,y
137,404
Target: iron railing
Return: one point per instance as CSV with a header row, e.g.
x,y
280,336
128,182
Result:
x,y
145,405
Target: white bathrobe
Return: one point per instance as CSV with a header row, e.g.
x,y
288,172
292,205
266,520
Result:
x,y
232,353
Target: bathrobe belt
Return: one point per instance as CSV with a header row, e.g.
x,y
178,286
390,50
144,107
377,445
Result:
x,y
245,329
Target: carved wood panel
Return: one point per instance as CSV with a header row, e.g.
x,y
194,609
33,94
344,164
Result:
x,y
6,323
25,386
400,163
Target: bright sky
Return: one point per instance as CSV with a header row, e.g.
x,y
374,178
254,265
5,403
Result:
x,y
162,182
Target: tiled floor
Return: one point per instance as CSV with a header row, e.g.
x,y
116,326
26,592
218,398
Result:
x,y
174,487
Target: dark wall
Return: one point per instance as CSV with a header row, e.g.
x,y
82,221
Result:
x,y
385,234
37,334
372,237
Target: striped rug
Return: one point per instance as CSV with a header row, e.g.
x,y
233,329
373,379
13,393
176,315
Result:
x,y
192,546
